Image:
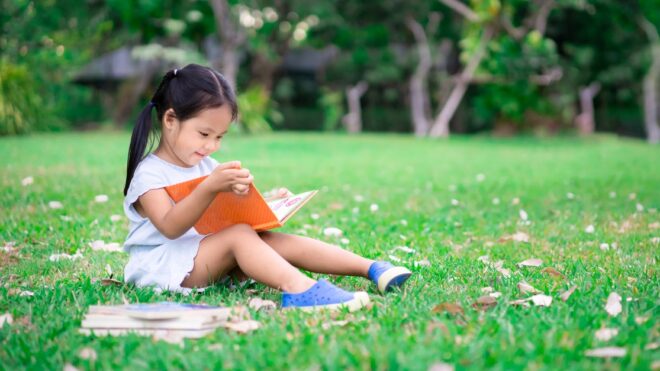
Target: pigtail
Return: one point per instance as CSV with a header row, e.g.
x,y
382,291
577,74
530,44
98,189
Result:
x,y
139,141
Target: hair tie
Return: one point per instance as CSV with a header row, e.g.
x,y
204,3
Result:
x,y
175,71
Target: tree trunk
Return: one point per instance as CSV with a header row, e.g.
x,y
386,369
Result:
x,y
419,100
129,93
231,36
585,121
353,119
651,85
440,127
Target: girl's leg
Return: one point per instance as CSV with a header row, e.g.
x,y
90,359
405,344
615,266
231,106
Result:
x,y
240,245
317,256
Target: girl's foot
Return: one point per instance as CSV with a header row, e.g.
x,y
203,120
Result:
x,y
324,295
387,276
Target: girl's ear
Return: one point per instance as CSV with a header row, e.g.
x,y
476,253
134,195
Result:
x,y
169,119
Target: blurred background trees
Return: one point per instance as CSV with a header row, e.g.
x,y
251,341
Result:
x,y
426,67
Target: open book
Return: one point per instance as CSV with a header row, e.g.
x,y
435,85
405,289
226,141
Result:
x,y
228,208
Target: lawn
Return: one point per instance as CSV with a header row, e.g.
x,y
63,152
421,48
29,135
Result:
x,y
464,207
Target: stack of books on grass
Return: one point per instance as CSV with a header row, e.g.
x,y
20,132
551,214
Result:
x,y
165,318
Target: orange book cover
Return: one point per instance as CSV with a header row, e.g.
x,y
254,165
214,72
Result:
x,y
228,208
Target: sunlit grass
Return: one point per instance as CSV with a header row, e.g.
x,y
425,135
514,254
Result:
x,y
436,197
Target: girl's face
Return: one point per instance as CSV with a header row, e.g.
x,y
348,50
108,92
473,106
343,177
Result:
x,y
186,143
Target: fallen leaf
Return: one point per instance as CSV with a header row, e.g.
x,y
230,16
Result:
x,y
27,181
523,214
332,232
605,334
530,263
87,353
101,198
100,245
258,304
373,208
55,205
640,320
607,352
327,325
566,294
652,346
541,300
517,237
440,366
486,290
553,272
523,302
26,293
69,367
111,281
613,306
243,327
484,302
590,229
6,318
423,263
526,288
115,217
450,308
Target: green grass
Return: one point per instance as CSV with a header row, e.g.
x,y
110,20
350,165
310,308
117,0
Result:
x,y
413,182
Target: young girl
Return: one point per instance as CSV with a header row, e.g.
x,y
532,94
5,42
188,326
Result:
x,y
195,107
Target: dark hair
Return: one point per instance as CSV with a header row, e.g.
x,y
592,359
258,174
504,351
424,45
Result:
x,y
188,91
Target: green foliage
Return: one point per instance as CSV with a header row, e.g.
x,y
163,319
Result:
x,y
21,107
331,102
256,111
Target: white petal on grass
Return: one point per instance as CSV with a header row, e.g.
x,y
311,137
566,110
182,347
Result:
x,y
243,326
27,181
101,198
422,263
9,247
315,216
495,294
69,367
403,222
115,218
652,346
612,194
332,232
394,258
441,366
526,288
570,195
496,201
541,300
639,207
480,177
486,290
358,198
607,352
515,201
26,293
373,208
100,245
452,188
605,334
523,214
484,259
405,249
258,304
590,229
454,202
613,306
87,353
64,256
531,263
108,269
566,294
55,204
604,246
345,241
655,240
632,196
6,318
66,218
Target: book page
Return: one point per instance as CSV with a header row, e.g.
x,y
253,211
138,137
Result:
x,y
282,207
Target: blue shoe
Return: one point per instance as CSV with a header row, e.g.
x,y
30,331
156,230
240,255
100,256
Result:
x,y
324,295
387,276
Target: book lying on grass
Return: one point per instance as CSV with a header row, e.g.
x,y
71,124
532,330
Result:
x,y
228,208
186,320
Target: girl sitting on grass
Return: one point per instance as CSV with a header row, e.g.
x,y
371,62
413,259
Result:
x,y
195,106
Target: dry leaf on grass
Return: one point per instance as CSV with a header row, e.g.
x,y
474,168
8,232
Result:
x,y
101,245
332,232
526,288
652,346
439,366
541,300
111,282
566,294
87,353
327,325
69,367
258,304
27,181
243,327
613,306
55,204
530,263
605,334
607,352
484,302
6,318
553,272
450,308
517,237
26,293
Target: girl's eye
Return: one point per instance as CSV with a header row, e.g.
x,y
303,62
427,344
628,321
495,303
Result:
x,y
204,134
220,137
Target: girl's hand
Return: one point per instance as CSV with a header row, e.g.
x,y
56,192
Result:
x,y
277,193
229,177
